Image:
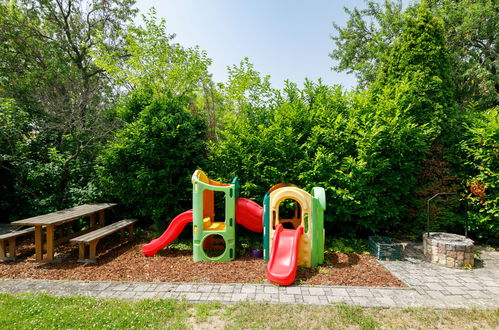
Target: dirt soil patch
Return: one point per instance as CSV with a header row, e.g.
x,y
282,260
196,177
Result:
x,y
125,262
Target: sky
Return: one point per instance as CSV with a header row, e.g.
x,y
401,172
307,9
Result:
x,y
287,39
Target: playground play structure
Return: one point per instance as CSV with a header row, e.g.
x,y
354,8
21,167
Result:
x,y
291,219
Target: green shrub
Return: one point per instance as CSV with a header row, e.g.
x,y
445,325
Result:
x,y
13,127
148,165
40,171
366,157
261,150
347,245
482,149
368,161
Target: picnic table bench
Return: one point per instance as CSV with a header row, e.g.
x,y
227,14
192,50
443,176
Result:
x,y
8,243
91,239
61,220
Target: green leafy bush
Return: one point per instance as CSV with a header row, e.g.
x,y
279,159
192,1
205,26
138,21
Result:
x,y
366,157
368,160
347,245
13,127
482,149
148,165
36,176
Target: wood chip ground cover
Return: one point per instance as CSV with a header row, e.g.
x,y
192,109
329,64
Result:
x,y
125,262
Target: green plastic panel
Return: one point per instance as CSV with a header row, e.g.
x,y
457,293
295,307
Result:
x,y
266,223
318,207
237,186
230,215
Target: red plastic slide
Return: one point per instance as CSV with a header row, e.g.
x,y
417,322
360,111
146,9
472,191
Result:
x,y
281,268
249,214
172,232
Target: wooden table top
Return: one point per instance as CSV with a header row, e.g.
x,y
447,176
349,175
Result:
x,y
63,215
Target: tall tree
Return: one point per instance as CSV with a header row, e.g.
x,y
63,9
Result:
x,y
368,34
46,67
248,94
471,35
154,61
415,73
416,69
46,64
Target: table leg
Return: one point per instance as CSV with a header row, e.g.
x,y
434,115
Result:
x,y
92,250
92,220
12,248
102,221
38,243
2,249
50,243
81,251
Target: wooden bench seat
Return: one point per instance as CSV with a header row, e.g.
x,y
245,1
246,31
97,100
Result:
x,y
91,239
8,242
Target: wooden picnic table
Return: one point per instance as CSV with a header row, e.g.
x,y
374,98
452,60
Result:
x,y
50,221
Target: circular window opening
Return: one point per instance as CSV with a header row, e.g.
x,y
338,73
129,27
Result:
x,y
214,246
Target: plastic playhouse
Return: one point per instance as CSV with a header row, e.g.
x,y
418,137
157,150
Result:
x,y
294,238
293,241
210,231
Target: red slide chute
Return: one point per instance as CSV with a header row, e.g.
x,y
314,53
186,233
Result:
x,y
249,214
172,232
281,268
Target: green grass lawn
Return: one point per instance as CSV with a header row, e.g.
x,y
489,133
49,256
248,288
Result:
x,y
42,311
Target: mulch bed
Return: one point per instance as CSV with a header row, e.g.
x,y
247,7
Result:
x,y
125,262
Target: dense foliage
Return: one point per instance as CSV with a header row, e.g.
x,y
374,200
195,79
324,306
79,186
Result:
x,y
153,61
64,97
471,36
148,165
416,71
366,157
96,108
482,149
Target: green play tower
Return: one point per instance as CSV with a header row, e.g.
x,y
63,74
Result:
x,y
213,234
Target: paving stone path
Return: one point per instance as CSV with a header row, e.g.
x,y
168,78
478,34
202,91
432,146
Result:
x,y
428,285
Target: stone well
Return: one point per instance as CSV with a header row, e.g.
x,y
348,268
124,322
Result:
x,y
450,250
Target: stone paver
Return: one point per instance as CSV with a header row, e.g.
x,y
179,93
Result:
x,y
315,295
450,287
428,285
